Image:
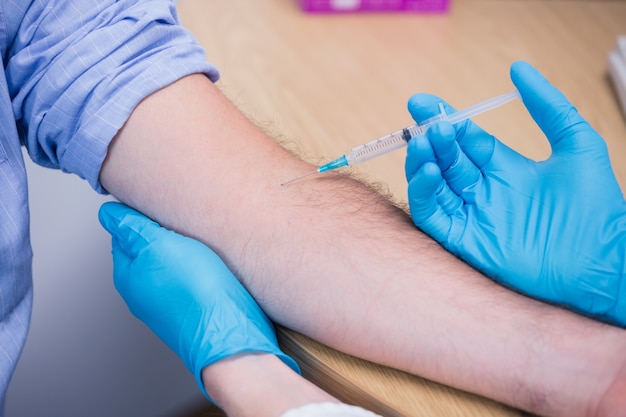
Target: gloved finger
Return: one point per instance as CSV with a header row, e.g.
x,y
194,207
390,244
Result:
x,y
131,230
475,142
447,199
457,169
424,106
133,248
425,210
554,114
442,139
419,151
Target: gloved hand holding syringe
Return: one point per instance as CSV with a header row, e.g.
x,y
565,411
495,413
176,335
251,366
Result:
x,y
400,138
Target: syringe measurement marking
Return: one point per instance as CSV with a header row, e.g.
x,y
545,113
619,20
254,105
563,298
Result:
x,y
392,139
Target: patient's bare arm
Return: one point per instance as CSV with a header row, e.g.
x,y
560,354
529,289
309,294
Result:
x,y
334,260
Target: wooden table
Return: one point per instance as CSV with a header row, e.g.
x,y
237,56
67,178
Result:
x,y
323,84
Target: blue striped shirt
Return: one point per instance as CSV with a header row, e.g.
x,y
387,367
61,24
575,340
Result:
x,y
73,73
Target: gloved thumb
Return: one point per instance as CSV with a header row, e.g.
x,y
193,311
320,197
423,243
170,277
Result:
x,y
130,229
554,114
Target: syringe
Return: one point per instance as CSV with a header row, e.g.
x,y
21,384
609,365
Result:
x,y
400,138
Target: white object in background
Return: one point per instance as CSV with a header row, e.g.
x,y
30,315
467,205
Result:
x,y
329,410
345,4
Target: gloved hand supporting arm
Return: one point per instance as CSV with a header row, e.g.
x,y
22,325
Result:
x,y
183,291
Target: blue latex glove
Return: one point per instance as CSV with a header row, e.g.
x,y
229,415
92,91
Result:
x,y
184,292
554,230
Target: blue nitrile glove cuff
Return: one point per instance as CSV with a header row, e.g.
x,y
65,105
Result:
x,y
619,314
184,292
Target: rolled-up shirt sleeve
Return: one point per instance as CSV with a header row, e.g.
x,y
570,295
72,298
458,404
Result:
x,y
77,69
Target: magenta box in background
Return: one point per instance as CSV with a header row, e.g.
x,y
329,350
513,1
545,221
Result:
x,y
343,6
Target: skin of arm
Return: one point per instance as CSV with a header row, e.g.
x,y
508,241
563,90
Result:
x,y
269,387
336,261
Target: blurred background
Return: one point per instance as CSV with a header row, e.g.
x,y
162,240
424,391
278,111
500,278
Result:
x,y
307,79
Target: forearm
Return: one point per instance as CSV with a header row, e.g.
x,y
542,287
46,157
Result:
x,y
334,260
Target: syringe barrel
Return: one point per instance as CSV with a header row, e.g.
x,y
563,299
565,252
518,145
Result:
x,y
383,145
399,139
